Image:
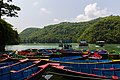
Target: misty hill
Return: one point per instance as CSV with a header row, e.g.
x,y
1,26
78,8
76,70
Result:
x,y
107,28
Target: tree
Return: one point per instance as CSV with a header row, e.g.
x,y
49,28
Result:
x,y
8,10
7,34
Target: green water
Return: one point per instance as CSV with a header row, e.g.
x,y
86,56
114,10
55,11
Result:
x,y
108,47
32,46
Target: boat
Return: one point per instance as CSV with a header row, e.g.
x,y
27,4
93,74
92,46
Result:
x,y
110,70
60,72
100,43
47,53
83,44
114,54
78,59
26,52
34,69
5,54
95,54
67,50
18,69
70,52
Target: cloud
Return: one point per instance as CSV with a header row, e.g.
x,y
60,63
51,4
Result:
x,y
56,20
92,11
44,10
36,3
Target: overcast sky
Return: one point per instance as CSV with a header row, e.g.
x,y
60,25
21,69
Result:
x,y
40,13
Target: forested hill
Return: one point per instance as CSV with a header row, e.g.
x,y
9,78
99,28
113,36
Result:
x,y
107,28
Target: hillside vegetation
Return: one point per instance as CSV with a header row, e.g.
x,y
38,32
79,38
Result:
x,y
107,28
8,35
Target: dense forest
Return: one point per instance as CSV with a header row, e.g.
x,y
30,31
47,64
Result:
x,y
106,28
8,35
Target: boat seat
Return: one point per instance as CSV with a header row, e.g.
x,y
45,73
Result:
x,y
74,65
3,64
5,70
117,73
34,69
108,65
108,73
116,65
23,65
9,63
17,75
98,72
16,67
83,66
89,71
91,66
27,73
29,63
5,77
99,65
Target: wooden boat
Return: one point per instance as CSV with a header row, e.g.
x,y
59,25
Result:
x,y
8,61
67,50
32,52
39,69
5,54
47,53
110,70
95,54
26,52
77,59
20,70
51,72
77,71
114,55
59,52
70,52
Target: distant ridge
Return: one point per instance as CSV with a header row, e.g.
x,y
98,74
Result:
x,y
106,28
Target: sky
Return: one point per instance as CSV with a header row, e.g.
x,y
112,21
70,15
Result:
x,y
40,13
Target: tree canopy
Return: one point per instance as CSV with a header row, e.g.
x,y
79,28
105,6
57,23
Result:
x,y
65,31
9,10
7,34
106,28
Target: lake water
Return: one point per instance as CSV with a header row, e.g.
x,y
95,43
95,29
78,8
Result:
x,y
35,46
108,47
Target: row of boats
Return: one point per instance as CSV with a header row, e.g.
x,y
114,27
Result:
x,y
85,54
52,64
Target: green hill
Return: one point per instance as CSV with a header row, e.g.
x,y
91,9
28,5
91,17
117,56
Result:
x,y
106,28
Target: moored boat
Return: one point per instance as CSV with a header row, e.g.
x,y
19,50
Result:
x,y
53,71
114,54
20,70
